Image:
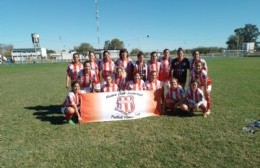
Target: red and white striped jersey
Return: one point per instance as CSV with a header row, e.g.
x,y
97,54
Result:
x,y
155,66
73,70
193,61
165,70
196,97
120,81
201,77
142,69
176,94
112,88
153,85
123,63
95,66
87,81
131,85
107,68
71,100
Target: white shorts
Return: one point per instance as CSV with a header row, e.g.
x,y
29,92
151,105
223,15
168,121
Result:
x,y
63,109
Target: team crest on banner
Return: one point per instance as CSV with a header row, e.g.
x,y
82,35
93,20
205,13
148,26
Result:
x,y
125,104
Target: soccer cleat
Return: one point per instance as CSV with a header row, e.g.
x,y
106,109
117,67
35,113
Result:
x,y
70,122
205,115
208,112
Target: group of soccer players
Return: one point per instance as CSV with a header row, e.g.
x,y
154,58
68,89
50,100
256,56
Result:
x,y
168,74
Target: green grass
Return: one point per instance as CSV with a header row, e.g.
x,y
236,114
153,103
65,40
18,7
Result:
x,y
34,134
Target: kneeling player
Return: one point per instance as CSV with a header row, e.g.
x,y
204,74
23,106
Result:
x,y
175,97
71,105
195,98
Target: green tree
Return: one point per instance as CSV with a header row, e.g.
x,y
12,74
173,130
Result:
x,y
107,45
114,44
134,51
249,33
84,48
6,49
233,41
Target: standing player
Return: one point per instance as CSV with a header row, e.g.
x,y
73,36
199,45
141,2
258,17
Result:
x,y
107,66
73,69
88,78
197,58
195,98
165,68
140,66
71,104
154,64
179,66
204,82
125,62
93,62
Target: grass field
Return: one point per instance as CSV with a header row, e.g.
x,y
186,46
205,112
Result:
x,y
34,133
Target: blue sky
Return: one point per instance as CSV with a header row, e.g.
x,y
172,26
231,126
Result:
x,y
169,23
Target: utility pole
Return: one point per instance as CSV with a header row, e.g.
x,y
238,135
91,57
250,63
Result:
x,y
97,22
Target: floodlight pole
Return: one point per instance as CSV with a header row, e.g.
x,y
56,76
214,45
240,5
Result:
x,y
97,22
148,44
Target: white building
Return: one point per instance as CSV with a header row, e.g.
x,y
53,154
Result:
x,y
249,47
23,54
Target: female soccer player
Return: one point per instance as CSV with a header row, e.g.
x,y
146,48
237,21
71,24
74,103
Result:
x,y
88,78
140,66
175,96
197,58
152,83
71,104
204,81
136,84
107,65
120,78
125,62
179,66
195,98
93,62
73,69
154,64
109,86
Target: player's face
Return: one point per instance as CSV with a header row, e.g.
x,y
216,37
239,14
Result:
x,y
167,54
124,55
87,67
180,54
76,88
194,86
137,77
109,80
119,71
198,68
153,76
106,56
154,57
197,56
76,58
174,84
91,56
141,58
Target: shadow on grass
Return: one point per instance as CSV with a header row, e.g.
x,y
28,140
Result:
x,y
180,113
49,113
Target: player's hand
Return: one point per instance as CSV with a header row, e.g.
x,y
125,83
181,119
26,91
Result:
x,y
80,120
